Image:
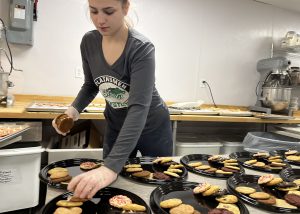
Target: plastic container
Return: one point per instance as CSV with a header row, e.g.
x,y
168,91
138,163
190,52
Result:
x,y
230,147
19,178
193,144
267,141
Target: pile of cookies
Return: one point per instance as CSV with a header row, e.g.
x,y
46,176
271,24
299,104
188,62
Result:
x,y
176,206
227,202
59,174
218,165
292,155
70,206
265,161
291,199
171,169
125,203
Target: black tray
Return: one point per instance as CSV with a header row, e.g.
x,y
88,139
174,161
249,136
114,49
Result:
x,y
290,174
184,191
71,164
203,158
244,156
281,153
251,181
99,203
147,164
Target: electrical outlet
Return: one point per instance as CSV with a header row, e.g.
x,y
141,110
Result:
x,y
202,83
79,73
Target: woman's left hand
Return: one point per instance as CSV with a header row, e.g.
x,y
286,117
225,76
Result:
x,y
86,185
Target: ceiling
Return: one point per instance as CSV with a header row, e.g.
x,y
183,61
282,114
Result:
x,y
293,5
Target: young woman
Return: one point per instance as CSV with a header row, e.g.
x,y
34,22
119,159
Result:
x,y
120,63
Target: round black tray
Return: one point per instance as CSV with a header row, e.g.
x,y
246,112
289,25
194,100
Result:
x,y
290,174
184,191
281,153
244,156
251,181
71,164
147,164
203,158
99,203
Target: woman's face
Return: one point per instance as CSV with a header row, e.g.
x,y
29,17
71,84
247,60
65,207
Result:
x,y
108,15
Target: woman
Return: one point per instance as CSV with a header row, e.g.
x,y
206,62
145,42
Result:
x,y
120,63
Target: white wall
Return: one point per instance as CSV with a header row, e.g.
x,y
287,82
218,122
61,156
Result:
x,y
219,41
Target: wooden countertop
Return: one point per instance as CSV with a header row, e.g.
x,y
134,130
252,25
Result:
x,y
18,110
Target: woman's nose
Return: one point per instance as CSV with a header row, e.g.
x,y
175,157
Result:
x,y
100,19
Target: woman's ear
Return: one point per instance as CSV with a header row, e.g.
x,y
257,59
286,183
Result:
x,y
126,7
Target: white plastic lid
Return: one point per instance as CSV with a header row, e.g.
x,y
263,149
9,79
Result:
x,y
214,144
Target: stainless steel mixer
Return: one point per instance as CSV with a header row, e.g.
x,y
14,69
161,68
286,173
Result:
x,y
274,89
4,85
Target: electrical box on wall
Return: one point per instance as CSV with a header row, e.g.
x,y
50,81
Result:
x,y
20,27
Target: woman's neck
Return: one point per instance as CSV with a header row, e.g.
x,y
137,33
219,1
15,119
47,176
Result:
x,y
120,36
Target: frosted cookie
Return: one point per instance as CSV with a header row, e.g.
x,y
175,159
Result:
x,y
119,201
265,178
88,165
202,187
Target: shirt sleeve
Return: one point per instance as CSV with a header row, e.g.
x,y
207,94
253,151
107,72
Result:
x,y
140,96
89,90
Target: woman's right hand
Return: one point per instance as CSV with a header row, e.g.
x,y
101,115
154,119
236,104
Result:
x,y
72,113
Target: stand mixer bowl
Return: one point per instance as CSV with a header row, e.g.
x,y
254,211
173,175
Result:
x,y
3,84
276,98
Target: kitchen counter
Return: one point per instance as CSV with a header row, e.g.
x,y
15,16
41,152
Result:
x,y
18,111
144,190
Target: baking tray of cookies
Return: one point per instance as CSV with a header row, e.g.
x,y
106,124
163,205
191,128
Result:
x,y
291,175
10,131
151,170
188,201
290,156
47,107
200,164
260,163
99,203
265,196
67,170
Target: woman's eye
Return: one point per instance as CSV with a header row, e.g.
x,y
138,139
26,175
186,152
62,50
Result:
x,y
108,12
93,11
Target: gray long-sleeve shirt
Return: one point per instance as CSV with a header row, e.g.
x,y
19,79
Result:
x,y
128,87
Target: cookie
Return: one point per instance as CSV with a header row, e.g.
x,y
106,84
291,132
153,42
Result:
x,y
60,180
76,199
260,195
293,199
223,172
269,201
134,169
293,158
226,169
284,204
57,169
265,178
65,210
133,166
274,182
245,190
250,162
231,207
161,176
297,181
259,164
182,208
231,164
277,164
202,167
234,167
227,199
287,186
88,165
211,170
291,152
219,211
143,174
294,192
134,207
215,158
261,155
170,203
274,157
176,166
277,160
174,170
173,174
59,174
195,164
65,203
202,187
162,160
230,161
220,193
119,201
64,123
213,189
